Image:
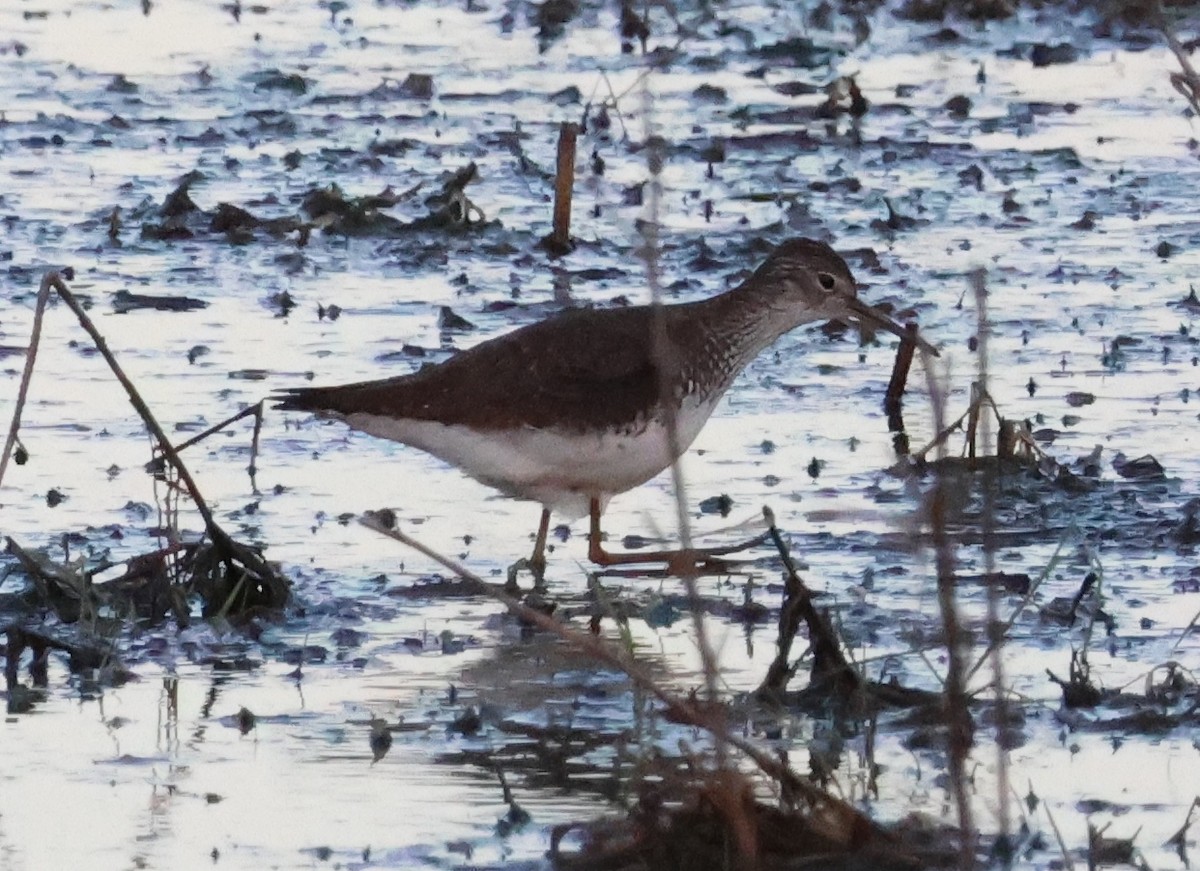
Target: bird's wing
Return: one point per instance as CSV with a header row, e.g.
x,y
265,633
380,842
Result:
x,y
589,368
593,368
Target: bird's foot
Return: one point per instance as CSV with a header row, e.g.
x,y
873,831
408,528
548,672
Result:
x,y
536,568
677,563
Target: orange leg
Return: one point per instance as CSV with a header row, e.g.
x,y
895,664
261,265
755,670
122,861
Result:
x,y
678,561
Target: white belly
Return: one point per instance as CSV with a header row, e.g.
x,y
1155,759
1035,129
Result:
x,y
562,470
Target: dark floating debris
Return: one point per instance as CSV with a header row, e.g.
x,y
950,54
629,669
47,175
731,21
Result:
x,y
895,221
245,720
972,176
937,11
275,80
552,18
959,106
633,26
1144,468
380,739
1085,605
121,85
1017,583
722,505
701,825
467,723
798,51
1044,54
123,302
450,321
326,208
1189,302
85,653
1087,222
283,302
843,97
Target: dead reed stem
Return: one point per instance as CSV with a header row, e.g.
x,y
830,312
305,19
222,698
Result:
x,y
996,631
135,398
959,736
664,355
35,339
830,665
229,550
564,183
255,410
1186,82
894,394
997,634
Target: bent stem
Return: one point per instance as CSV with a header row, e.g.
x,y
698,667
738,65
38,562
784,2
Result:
x,y
830,808
230,551
830,664
255,410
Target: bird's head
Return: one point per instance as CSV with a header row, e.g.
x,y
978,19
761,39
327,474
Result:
x,y
807,281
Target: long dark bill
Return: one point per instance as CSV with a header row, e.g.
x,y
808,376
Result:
x,y
868,315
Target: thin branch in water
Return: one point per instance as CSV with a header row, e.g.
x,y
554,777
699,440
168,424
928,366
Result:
x,y
239,560
1186,82
995,631
35,338
957,714
158,464
832,811
830,664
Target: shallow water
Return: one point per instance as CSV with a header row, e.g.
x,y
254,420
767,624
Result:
x,y
141,783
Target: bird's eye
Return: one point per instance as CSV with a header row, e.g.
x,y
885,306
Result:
x,y
827,280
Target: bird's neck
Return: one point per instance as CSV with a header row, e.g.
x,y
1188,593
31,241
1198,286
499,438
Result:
x,y
725,333
748,318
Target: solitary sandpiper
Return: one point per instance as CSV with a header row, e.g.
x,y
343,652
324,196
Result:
x,y
572,410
